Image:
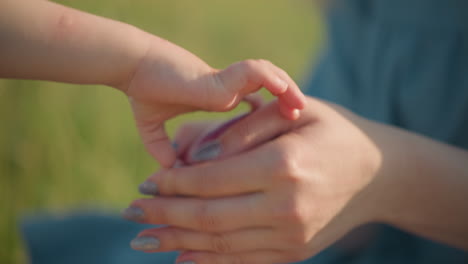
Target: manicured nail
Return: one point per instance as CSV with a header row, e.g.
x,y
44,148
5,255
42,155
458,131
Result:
x,y
148,188
175,145
145,243
207,151
186,262
133,214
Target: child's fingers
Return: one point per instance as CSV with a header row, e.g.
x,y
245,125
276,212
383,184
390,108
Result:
x,y
249,76
288,112
254,100
293,96
157,143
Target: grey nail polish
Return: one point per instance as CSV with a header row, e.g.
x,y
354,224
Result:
x,y
175,145
186,262
145,243
133,214
148,188
208,151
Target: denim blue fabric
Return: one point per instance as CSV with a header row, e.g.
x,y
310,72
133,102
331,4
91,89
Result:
x,y
401,62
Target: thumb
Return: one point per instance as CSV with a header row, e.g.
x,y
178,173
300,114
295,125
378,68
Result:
x,y
150,120
248,76
244,133
157,143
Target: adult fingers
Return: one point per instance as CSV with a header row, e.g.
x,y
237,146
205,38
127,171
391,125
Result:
x,y
191,135
240,174
177,239
254,130
216,215
245,133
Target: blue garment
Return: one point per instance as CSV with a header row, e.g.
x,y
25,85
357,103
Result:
x,y
402,62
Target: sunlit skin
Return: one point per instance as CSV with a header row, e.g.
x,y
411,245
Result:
x,y
46,41
304,184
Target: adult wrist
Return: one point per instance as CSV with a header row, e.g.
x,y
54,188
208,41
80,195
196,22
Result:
x,y
394,180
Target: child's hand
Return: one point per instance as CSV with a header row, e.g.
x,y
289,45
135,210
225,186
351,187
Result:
x,y
43,40
175,81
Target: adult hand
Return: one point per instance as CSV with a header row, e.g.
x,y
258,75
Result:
x,y
175,81
297,187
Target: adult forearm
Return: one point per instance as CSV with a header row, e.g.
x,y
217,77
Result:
x,y
47,41
425,187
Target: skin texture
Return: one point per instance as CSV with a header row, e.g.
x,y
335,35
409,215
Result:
x,y
47,41
282,190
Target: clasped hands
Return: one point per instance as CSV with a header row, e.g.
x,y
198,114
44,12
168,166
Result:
x,y
265,190
275,186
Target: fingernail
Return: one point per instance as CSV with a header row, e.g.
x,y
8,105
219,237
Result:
x,y
133,214
296,114
186,262
175,145
208,151
145,243
148,188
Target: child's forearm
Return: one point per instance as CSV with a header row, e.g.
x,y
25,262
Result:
x,y
46,41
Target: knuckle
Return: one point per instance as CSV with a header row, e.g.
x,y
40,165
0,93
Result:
x,y
225,102
154,210
201,182
248,64
205,220
165,182
297,215
263,61
220,244
292,213
285,164
254,70
177,238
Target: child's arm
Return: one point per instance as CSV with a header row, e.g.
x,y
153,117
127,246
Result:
x,y
47,41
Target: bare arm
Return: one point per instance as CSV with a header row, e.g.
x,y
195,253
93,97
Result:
x,y
286,198
47,41
425,189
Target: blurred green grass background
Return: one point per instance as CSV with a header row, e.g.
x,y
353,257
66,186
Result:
x,y
66,147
